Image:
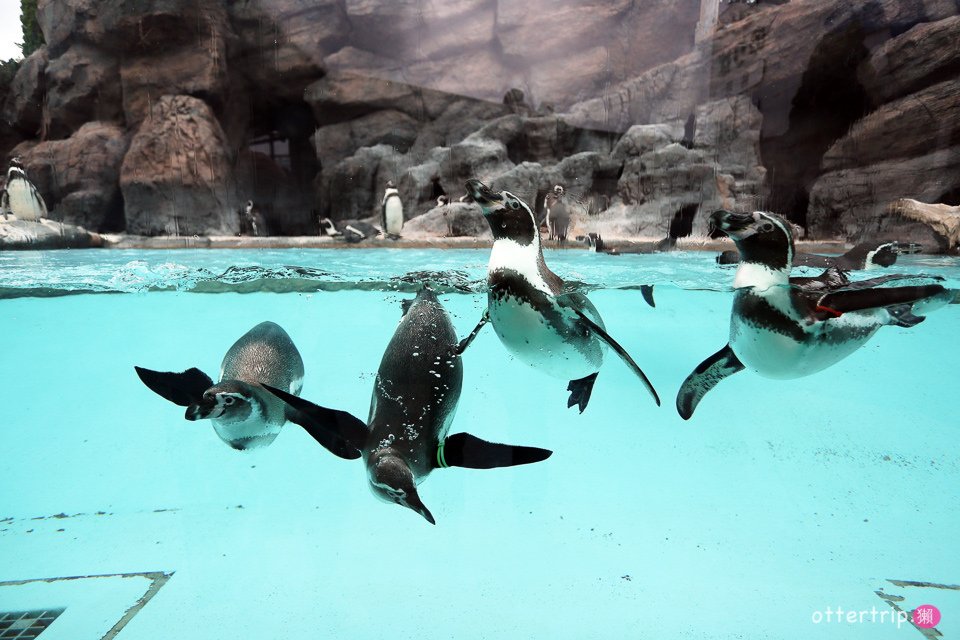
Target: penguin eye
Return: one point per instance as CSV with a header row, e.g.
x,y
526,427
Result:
x,y
514,205
766,227
229,400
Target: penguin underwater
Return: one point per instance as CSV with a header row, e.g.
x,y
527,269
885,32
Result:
x,y
559,332
783,327
244,414
415,397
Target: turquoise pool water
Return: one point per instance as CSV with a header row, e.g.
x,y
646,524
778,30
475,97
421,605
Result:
x,y
777,501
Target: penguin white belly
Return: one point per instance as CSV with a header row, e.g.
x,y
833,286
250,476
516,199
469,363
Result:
x,y
249,434
394,215
774,354
527,335
24,201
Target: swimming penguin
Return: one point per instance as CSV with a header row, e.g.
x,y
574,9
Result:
x,y
20,197
558,332
244,414
865,255
783,327
558,214
415,397
391,211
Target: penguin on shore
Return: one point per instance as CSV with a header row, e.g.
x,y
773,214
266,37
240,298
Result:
x,y
537,320
415,397
252,221
243,413
391,211
328,228
558,214
865,255
783,327
20,197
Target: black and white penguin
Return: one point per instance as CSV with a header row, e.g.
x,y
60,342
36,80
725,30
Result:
x,y
596,244
866,255
415,397
558,332
558,214
328,228
244,414
391,211
20,197
252,221
783,327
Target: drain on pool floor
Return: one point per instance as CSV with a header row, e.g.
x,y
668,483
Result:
x,y
26,625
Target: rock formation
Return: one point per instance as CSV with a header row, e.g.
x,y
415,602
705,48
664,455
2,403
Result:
x,y
177,178
822,111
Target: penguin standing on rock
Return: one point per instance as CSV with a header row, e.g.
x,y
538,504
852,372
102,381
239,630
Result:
x,y
783,327
415,397
558,214
244,414
253,222
391,209
538,321
20,196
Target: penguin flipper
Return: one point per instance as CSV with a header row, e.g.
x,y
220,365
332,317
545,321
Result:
x,y
603,335
706,376
646,290
182,389
861,299
470,452
339,432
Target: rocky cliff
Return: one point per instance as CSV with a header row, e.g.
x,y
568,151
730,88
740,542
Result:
x,y
162,116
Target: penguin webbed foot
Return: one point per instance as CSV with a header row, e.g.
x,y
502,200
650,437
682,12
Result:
x,y
470,452
463,344
902,315
580,391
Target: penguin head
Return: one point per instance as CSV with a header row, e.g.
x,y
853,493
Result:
x,y
16,162
229,401
558,190
763,238
392,481
882,255
509,217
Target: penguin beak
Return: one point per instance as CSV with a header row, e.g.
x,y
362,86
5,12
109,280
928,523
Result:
x,y
413,501
203,410
481,193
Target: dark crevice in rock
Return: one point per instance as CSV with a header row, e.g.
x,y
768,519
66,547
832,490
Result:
x,y
681,225
950,197
830,99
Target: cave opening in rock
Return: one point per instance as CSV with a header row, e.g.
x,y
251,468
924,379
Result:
x,y
279,164
950,197
681,225
829,100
